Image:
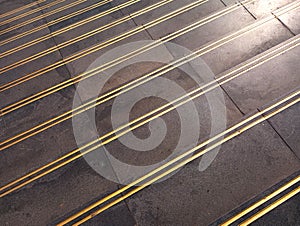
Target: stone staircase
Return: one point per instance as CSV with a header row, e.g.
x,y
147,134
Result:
x,y
246,99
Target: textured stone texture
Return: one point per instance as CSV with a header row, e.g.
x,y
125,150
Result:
x,y
238,173
256,87
244,167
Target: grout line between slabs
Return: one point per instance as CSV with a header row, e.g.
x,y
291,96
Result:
x,y
284,25
283,140
231,99
55,43
245,7
223,2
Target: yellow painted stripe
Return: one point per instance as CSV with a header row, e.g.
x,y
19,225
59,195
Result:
x,y
42,16
60,31
48,36
106,43
38,9
116,92
271,207
14,11
110,139
162,175
88,74
260,202
129,86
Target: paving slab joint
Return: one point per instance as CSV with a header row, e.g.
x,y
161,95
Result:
x,y
232,100
245,7
283,24
223,2
283,140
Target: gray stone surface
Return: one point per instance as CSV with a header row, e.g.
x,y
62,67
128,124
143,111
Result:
x,y
172,119
39,83
231,22
117,215
14,5
246,46
285,214
245,166
98,38
256,87
229,2
290,19
85,11
78,66
40,110
75,187
262,8
43,147
32,86
24,39
287,124
179,21
67,11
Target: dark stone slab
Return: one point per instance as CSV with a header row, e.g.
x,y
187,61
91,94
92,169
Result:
x,y
246,46
43,147
228,2
287,124
80,17
24,39
245,166
213,30
36,84
265,83
9,6
33,86
177,22
81,65
285,214
95,39
49,200
290,19
115,216
262,8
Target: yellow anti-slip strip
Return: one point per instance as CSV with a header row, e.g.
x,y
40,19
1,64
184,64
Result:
x,y
58,20
271,207
14,11
264,200
42,16
174,168
38,9
86,52
50,35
